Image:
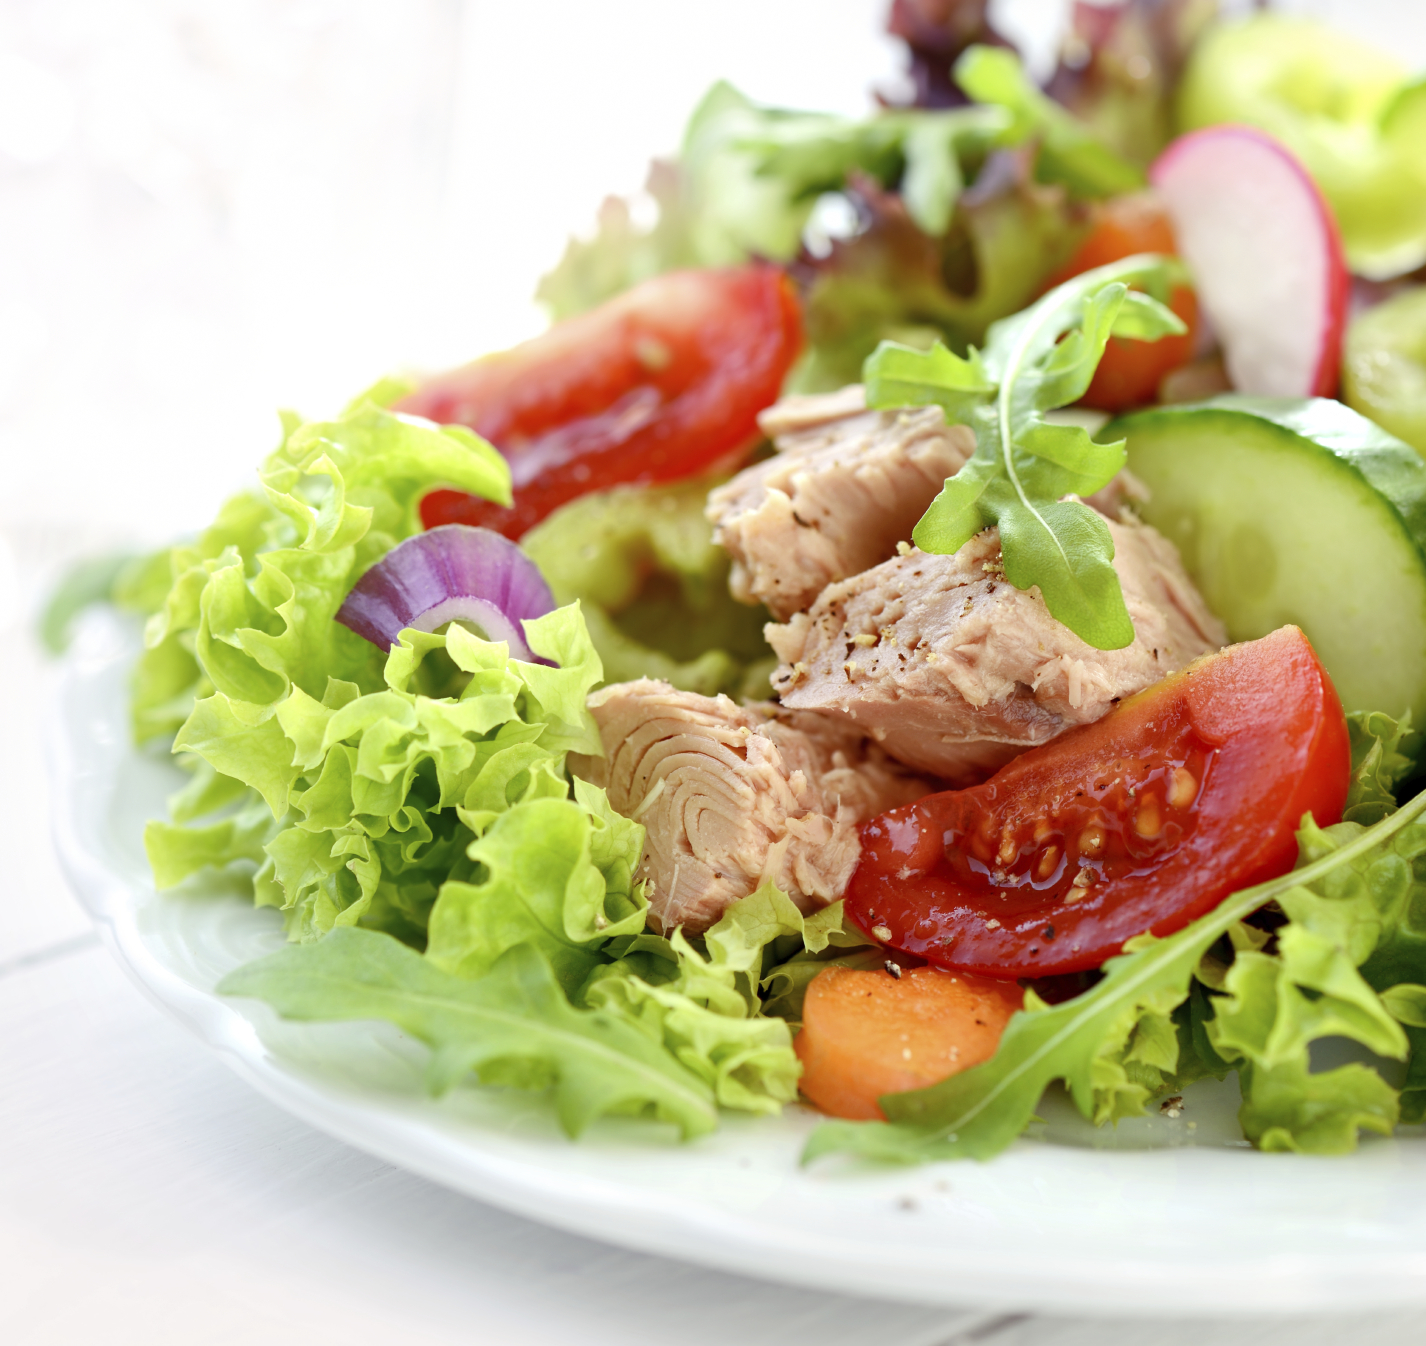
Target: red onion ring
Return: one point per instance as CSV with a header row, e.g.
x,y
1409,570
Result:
x,y
452,573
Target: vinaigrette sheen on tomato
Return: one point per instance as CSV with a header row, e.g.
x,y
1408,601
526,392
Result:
x,y
1139,823
658,384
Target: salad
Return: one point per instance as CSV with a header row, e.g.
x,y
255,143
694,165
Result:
x,y
918,628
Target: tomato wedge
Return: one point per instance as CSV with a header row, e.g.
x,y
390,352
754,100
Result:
x,y
1131,371
657,384
1142,821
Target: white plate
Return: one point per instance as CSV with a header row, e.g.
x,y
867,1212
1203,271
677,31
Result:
x,y
1162,1216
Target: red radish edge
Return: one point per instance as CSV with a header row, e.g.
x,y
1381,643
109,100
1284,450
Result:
x,y
1186,154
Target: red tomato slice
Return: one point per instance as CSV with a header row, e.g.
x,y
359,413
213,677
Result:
x,y
658,384
1142,821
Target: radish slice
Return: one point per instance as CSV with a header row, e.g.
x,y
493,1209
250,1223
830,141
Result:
x,y
454,573
1265,255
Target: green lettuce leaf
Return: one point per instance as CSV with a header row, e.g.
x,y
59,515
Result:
x,y
1034,362
703,1003
512,1027
1071,152
248,607
553,874
1117,1044
827,941
653,588
1384,753
1413,1087
961,214
382,794
891,281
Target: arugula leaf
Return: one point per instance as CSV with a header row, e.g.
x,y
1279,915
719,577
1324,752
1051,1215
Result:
x,y
1124,1020
512,1026
1034,362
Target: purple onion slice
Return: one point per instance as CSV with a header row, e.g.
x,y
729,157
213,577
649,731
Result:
x,y
452,573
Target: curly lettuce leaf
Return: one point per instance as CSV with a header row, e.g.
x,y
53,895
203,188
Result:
x,y
827,941
704,1000
247,610
1123,1028
381,794
551,873
1384,753
703,1003
1023,466
512,1026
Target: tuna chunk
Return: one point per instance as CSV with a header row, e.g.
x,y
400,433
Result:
x,y
954,671
845,486
732,796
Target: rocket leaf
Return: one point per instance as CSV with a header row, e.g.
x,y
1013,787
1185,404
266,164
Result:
x,y
1024,466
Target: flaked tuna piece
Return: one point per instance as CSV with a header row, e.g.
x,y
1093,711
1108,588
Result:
x,y
845,486
732,796
954,671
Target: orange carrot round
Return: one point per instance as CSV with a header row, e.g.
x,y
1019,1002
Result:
x,y
1131,371
865,1034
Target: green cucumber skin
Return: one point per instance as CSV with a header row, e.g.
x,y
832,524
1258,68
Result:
x,y
1390,466
1343,442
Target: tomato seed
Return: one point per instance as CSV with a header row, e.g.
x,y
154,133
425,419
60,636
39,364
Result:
x,y
1183,789
1148,822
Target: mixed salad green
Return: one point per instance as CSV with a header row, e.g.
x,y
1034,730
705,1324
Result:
x,y
410,811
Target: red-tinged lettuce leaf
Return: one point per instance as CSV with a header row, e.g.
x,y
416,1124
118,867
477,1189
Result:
x,y
890,281
1070,152
1120,65
936,32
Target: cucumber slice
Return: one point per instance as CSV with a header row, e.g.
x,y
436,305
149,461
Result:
x,y
1384,366
1297,511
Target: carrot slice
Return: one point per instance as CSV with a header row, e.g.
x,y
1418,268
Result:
x,y
1130,373
865,1034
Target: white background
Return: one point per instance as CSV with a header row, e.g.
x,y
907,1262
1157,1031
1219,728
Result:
x,y
210,208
